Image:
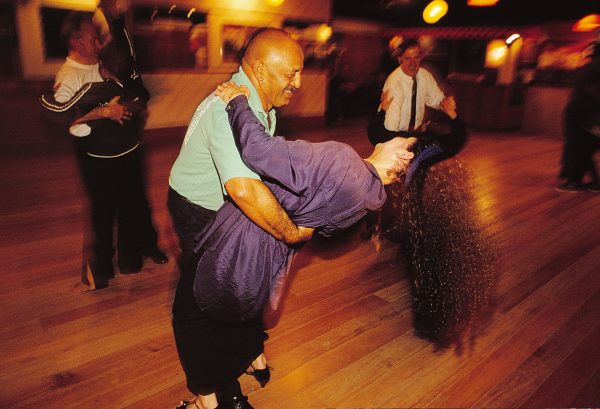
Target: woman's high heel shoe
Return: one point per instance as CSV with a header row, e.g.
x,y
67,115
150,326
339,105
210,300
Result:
x,y
263,376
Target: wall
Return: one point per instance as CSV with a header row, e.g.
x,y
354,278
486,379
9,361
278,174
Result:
x,y
544,108
545,104
31,42
507,71
251,13
307,10
362,48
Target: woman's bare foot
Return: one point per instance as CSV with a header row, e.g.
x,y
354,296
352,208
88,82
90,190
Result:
x,y
203,402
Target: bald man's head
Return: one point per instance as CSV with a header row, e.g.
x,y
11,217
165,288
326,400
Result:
x,y
265,41
273,61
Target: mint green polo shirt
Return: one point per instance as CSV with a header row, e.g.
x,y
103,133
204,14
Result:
x,y
208,157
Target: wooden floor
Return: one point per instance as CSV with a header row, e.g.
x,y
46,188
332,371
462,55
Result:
x,y
344,338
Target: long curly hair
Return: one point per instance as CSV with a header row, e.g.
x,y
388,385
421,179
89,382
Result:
x,y
450,260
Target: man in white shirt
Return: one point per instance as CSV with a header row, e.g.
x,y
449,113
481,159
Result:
x,y
406,92
410,88
81,67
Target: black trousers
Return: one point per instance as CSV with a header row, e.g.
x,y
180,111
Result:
x,y
116,191
188,220
579,146
213,354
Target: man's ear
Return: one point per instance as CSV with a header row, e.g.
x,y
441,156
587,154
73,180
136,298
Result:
x,y
72,42
258,69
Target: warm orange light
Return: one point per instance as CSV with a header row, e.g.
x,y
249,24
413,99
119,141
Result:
x,y
496,53
83,5
323,33
512,38
481,3
395,42
274,3
435,11
587,23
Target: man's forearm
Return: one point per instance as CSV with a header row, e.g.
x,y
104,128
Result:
x,y
96,113
259,204
112,110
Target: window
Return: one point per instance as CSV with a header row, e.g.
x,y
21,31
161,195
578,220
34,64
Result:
x,y
52,19
169,38
9,53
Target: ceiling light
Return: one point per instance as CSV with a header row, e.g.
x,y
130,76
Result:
x,y
587,23
435,11
496,53
324,32
511,38
481,3
274,3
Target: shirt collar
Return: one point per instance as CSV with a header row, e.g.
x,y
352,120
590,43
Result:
x,y
254,101
79,65
406,77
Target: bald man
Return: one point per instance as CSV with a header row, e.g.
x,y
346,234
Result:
x,y
208,172
209,169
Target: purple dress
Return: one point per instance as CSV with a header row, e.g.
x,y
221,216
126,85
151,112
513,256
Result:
x,y
325,185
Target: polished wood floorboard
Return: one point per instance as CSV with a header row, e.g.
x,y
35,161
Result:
x,y
344,337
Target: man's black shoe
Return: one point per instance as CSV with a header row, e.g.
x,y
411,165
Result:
x,y
569,187
592,187
238,402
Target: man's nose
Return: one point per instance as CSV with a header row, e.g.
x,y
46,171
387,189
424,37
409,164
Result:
x,y
297,80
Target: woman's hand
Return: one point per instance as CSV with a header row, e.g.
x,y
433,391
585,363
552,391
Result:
x,y
229,90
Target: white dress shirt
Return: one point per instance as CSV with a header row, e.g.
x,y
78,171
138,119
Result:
x,y
399,86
